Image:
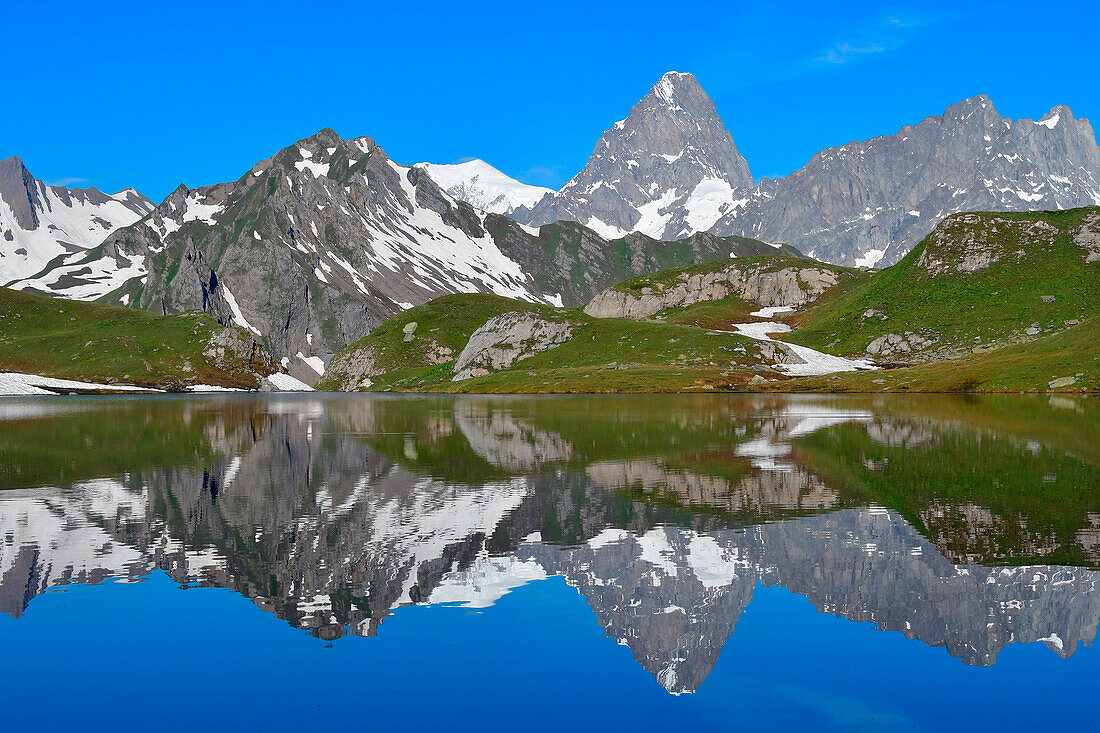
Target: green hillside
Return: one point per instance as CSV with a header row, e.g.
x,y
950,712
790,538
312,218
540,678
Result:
x,y
603,355
69,339
979,282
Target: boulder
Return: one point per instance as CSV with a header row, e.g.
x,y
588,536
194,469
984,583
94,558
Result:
x,y
507,339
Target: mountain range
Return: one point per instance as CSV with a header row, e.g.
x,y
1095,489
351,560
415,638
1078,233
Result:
x,y
671,169
315,246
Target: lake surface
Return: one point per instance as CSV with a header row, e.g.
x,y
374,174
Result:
x,y
612,563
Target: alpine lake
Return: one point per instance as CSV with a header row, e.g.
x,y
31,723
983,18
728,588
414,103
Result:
x,y
656,562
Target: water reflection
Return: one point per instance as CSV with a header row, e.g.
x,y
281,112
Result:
x,y
968,524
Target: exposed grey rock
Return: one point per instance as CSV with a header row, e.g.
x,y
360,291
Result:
x,y
506,339
1061,382
354,368
970,242
758,283
1087,236
893,343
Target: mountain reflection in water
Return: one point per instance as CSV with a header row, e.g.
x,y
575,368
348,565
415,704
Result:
x,y
964,523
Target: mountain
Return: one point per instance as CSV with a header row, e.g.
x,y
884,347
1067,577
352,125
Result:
x,y
315,246
308,250
483,186
39,222
671,168
869,203
668,170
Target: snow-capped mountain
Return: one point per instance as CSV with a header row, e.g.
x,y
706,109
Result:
x,y
317,245
869,203
483,186
671,169
39,222
309,250
668,170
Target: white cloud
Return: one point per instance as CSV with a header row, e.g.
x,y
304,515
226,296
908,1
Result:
x,y
844,52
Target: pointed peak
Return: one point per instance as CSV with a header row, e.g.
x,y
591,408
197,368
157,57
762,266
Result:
x,y
1058,113
13,161
673,85
323,138
967,108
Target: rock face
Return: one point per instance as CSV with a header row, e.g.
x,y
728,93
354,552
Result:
x,y
758,283
354,368
505,339
671,169
39,222
667,170
871,202
893,343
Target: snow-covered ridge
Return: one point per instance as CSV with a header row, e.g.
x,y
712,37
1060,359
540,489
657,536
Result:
x,y
483,186
39,222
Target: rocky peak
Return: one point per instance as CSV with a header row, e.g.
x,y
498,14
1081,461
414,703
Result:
x,y
667,170
868,203
18,190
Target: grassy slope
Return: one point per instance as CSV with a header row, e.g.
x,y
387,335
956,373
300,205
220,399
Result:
x,y
605,355
1020,368
979,318
991,306
87,341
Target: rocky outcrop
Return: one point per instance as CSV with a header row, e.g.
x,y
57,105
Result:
x,y
234,349
895,343
1087,237
760,284
353,368
506,339
971,242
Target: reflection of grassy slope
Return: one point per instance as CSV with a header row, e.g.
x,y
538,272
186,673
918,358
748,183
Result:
x,y
87,341
1039,499
105,439
691,435
993,304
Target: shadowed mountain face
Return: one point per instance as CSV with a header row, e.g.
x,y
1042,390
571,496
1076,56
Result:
x,y
964,524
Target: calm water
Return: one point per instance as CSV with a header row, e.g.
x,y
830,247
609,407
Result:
x,y
277,563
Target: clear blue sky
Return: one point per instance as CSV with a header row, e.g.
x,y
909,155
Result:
x,y
152,95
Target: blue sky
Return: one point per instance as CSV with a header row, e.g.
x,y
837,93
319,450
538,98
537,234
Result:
x,y
152,95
